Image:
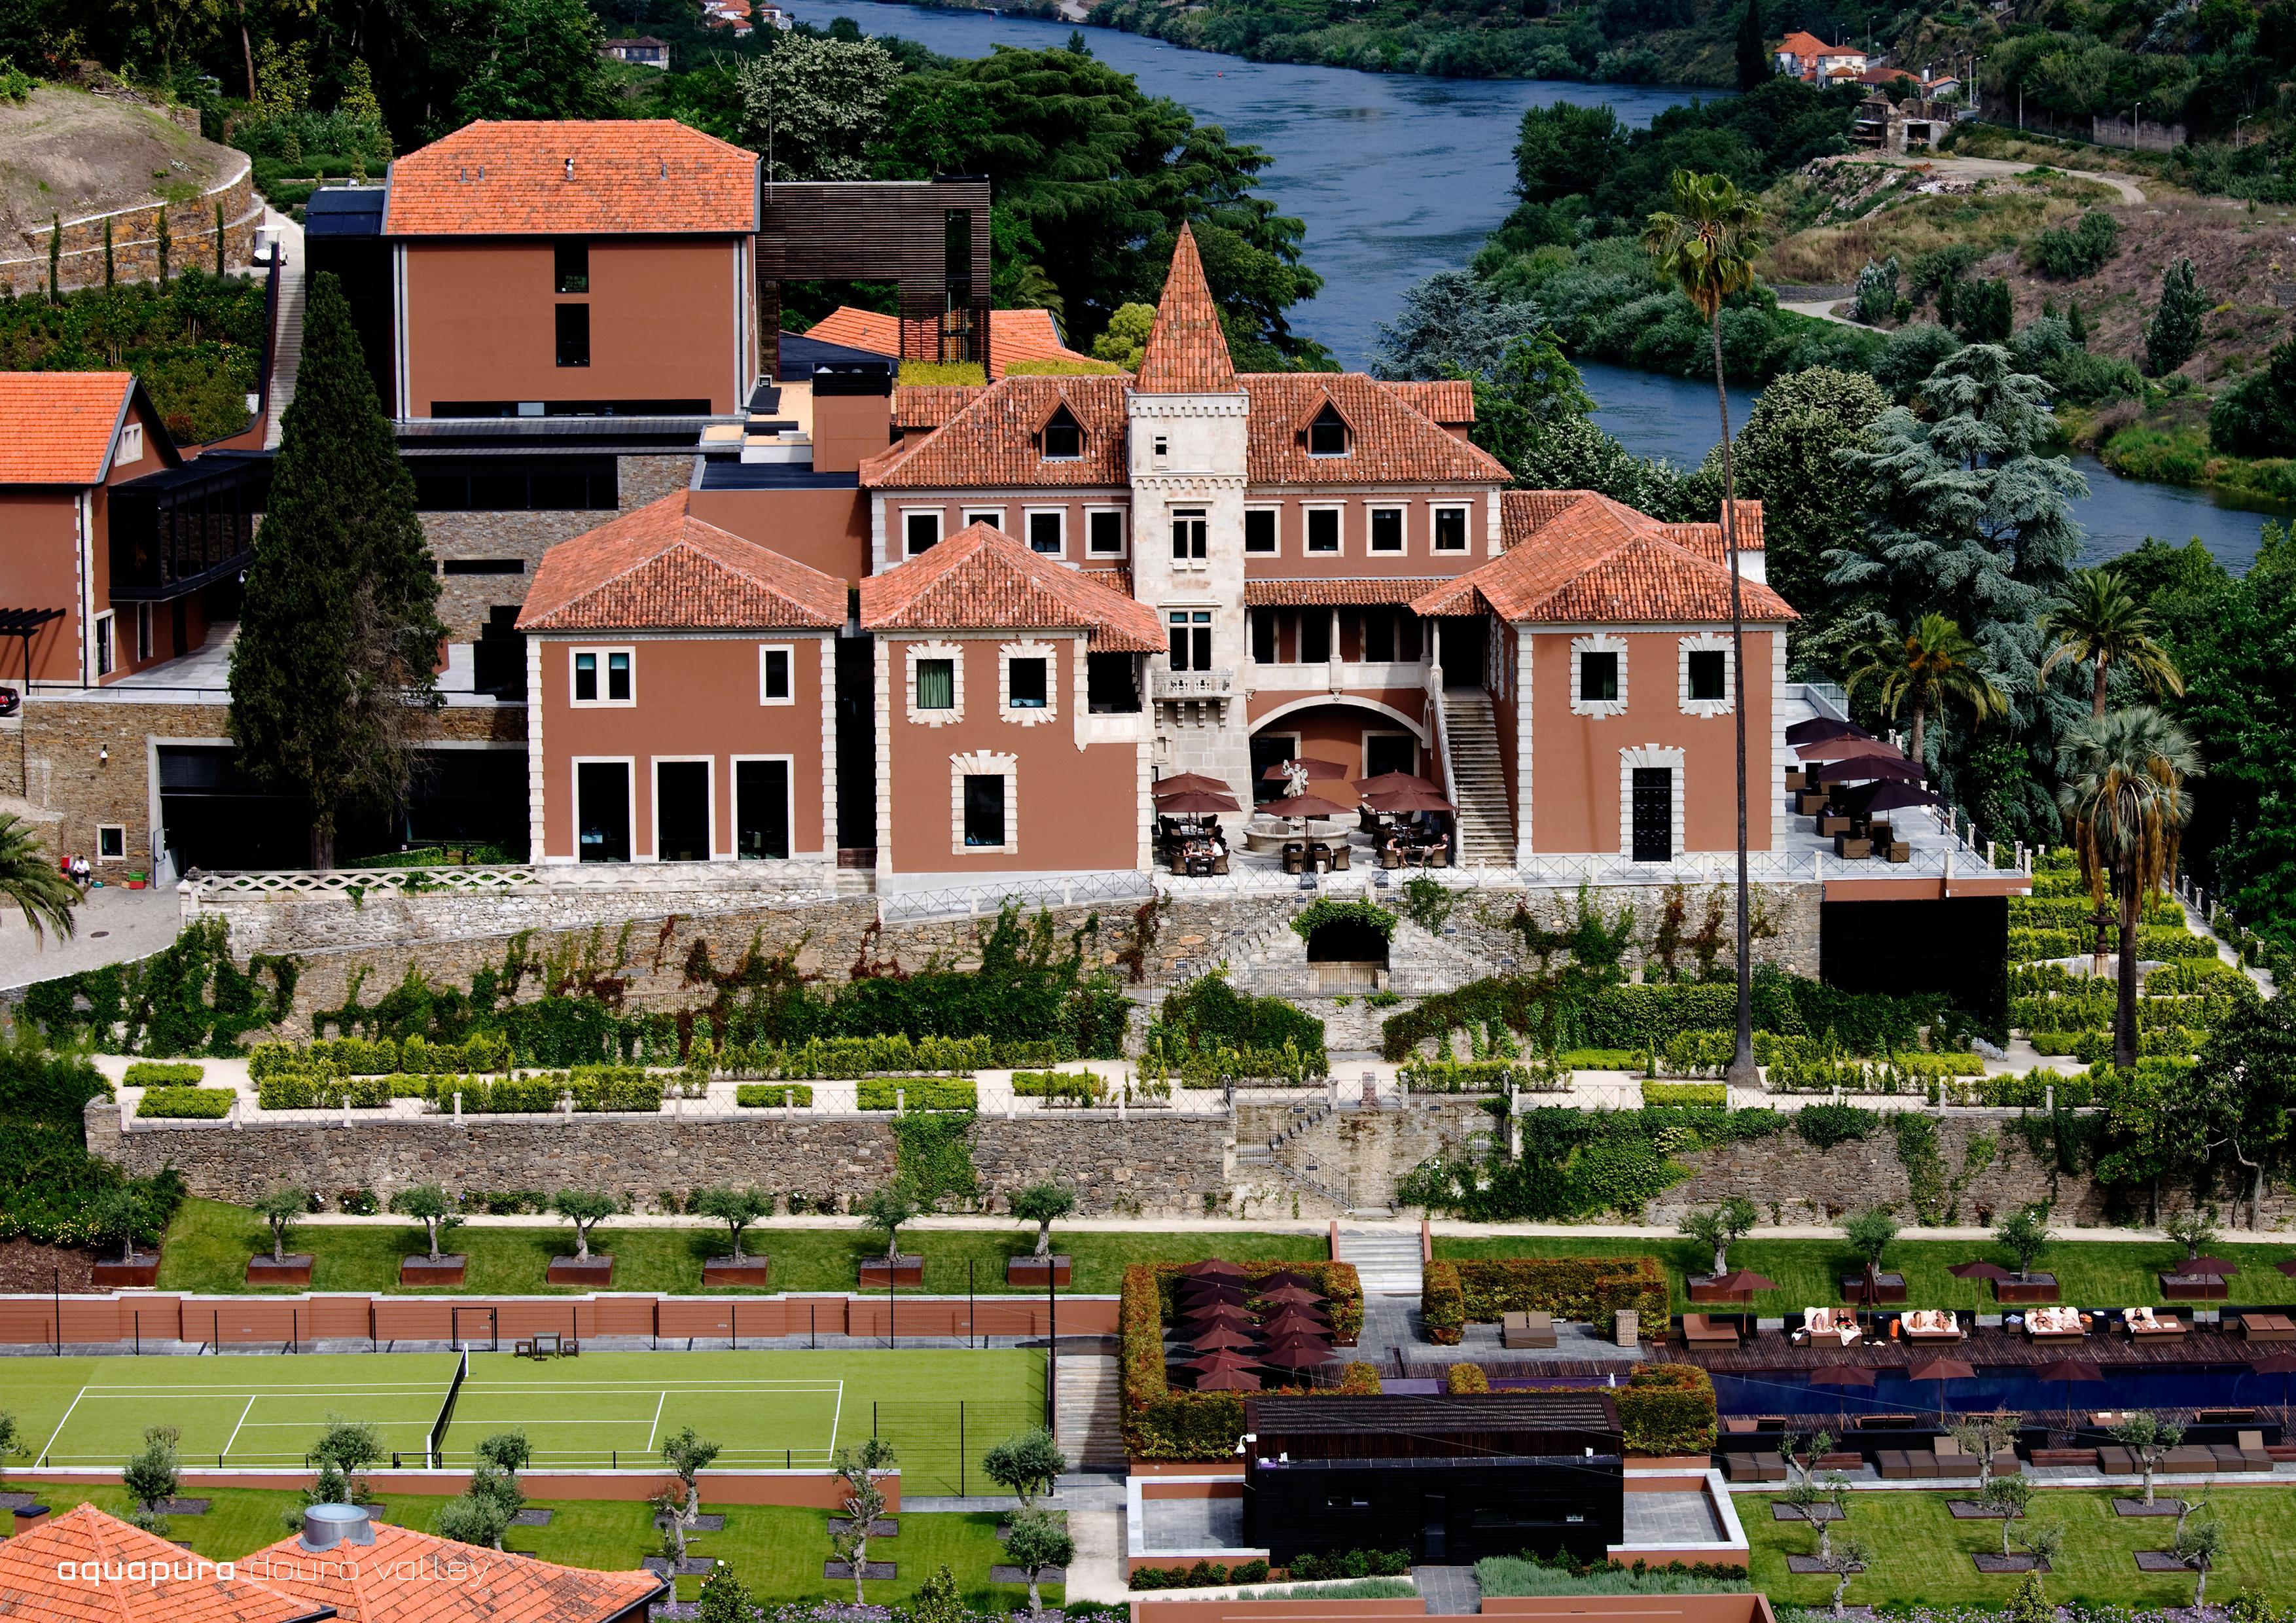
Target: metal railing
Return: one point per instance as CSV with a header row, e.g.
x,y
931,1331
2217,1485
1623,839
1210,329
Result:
x,y
773,888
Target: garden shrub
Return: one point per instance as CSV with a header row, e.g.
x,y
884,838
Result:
x,y
1668,1408
1686,1093
189,997
1359,1379
919,1092
1348,1563
1216,1064
1161,1423
1824,1126
148,1073
48,1181
1460,1379
1466,1076
1209,1013
1484,1290
773,1095
1578,1163
292,1090
1082,1086
1329,910
186,1103
2070,252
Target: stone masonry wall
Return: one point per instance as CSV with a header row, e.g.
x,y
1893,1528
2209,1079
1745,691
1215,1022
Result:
x,y
1153,1164
135,240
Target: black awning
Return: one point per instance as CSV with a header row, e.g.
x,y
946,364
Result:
x,y
23,622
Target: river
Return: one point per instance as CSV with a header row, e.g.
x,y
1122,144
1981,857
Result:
x,y
1398,175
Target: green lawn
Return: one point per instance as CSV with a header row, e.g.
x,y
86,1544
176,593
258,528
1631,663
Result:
x,y
941,1408
1921,1554
1809,1271
208,1244
778,1553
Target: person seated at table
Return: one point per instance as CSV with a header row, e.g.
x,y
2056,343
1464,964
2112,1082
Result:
x,y
1436,846
1390,845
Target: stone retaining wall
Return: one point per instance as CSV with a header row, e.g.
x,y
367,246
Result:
x,y
135,240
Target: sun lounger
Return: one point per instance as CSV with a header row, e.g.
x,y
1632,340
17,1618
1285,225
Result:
x,y
1754,1467
1527,1330
2268,1327
2251,1445
2055,1324
1930,1325
2191,1460
2116,1461
2143,1323
2230,1457
1834,1325
1699,1331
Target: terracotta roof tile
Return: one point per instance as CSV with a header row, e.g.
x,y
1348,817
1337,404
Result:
x,y
56,428
992,440
1388,440
1707,541
659,568
1014,335
1596,561
1394,589
407,1577
510,178
1186,352
1449,401
928,405
980,578
33,1587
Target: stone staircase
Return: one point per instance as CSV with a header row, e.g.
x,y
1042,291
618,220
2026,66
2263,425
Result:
x,y
287,343
1479,778
1387,1261
1087,1422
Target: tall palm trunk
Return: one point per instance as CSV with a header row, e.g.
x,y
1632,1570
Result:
x,y
1921,716
1743,1069
2096,703
2124,1021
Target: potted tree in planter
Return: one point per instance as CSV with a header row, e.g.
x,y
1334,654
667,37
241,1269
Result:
x,y
737,1208
1869,1234
858,1469
583,1208
280,1208
121,1216
2196,1230
1042,1204
428,1205
1719,1228
886,1209
2026,1233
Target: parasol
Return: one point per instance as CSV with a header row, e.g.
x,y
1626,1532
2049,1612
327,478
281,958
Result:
x,y
1195,801
1842,1375
1387,783
1213,1267
1294,1296
1819,729
1867,769
1216,1315
2069,1370
1980,1270
1315,769
1227,1380
1846,749
2287,1266
1408,800
1187,782
1298,1355
1941,1369
1742,1279
1890,796
1287,1277
1221,1358
2207,1268
1217,1339
1211,1290
2282,1365
1294,1322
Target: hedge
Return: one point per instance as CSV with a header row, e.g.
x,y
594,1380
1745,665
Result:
x,y
1081,1085
1161,1423
1211,1014
187,1103
840,1058
154,1073
918,1093
1289,1066
1668,1408
1592,1289
773,1095
1203,1575
1466,1076
2076,910
1686,1093
312,1090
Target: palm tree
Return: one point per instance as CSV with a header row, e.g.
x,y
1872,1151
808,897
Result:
x,y
1924,667
1705,245
2124,794
2094,620
29,878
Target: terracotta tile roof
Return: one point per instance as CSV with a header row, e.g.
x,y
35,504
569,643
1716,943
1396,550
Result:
x,y
1388,440
1707,540
1186,352
407,1577
33,1587
1449,401
509,179
1394,589
56,428
928,405
1014,335
1599,563
992,440
980,578
1805,44
659,568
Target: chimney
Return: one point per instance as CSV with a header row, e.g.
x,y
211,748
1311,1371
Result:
x,y
27,1517
570,168
326,1526
852,413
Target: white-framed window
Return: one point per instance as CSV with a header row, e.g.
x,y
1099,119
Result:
x,y
984,804
106,651
1450,528
777,672
131,444
603,675
111,842
1047,530
1259,531
1188,535
1598,674
920,530
1323,525
684,808
765,806
1029,682
1103,531
1189,632
936,683
142,631
1386,529
1705,675
993,517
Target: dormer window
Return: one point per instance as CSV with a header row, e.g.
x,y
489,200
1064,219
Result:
x,y
1063,437
1327,434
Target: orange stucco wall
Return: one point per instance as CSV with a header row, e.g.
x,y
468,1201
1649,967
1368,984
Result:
x,y
1076,810
1013,508
824,530
691,697
1575,758
1335,732
481,322
38,535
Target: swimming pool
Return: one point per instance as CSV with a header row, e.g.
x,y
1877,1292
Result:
x,y
2002,1387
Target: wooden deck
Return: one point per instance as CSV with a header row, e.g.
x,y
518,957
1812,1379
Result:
x,y
1770,1349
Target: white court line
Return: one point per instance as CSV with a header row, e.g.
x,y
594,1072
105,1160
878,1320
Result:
x,y
326,1390
554,1389
58,1431
836,1416
656,1427
243,1414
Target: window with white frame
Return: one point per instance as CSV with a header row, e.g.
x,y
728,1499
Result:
x,y
1028,682
984,804
112,841
604,676
1323,531
1705,675
1260,531
1386,529
131,443
920,530
107,654
777,672
1451,529
936,683
1104,531
993,517
1598,674
1048,530
1188,535
1191,638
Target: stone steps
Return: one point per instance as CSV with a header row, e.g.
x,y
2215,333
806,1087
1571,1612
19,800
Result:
x,y
1388,1264
1479,779
1088,1424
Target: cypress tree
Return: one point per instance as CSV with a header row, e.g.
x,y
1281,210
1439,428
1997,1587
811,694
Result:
x,y
110,280
218,239
332,671
1754,64
55,255
165,244
2175,332
2076,323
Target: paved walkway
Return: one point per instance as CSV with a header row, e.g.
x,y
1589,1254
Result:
x,y
2001,168
1450,1591
115,924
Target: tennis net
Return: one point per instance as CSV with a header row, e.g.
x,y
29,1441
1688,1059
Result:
x,y
447,1412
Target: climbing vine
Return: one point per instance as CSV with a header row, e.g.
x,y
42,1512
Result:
x,y
933,1150
1936,1197
1140,940
189,997
1326,910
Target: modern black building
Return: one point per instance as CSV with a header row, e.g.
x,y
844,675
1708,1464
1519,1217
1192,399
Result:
x,y
1453,1480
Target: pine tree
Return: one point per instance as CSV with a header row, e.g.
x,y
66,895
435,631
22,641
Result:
x,y
332,671
2076,323
2175,332
1754,64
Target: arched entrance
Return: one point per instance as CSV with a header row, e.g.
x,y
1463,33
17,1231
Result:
x,y
1362,736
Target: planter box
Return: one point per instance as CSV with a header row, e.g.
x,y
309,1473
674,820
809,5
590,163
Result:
x,y
140,1274
421,1271
2192,1288
877,1271
1702,1289
2041,1288
1036,1271
294,1269
747,1273
1887,1288
596,1270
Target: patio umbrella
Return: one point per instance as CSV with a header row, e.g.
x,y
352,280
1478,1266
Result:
x,y
1386,783
1223,1358
2282,1365
1211,1290
1819,729
1844,748
1193,802
1228,1381
1980,1270
1304,806
1315,769
1889,797
1867,769
1942,1370
1297,1322
1294,1296
1217,1339
1842,1375
2069,1371
1276,1282
1743,1279
2207,1268
2287,1266
1205,1308
1298,1355
1187,782
1212,1267
1220,1317
1408,800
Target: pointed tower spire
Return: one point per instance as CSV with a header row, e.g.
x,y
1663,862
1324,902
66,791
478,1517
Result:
x,y
1186,352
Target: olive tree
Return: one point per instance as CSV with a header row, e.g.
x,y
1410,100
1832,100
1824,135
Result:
x,y
428,1205
586,1206
857,1468
737,1208
1847,1559
2149,1437
1027,1464
152,1477
687,1455
280,1208
1717,1228
886,1209
2026,1233
1036,1540
2012,1497
1044,1204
